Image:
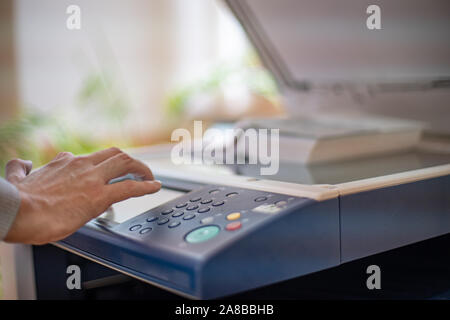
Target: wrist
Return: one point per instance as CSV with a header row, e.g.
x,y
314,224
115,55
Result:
x,y
15,233
10,202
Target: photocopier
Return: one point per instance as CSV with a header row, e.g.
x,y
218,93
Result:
x,y
213,231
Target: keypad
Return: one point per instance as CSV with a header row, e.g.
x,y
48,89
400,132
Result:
x,y
189,217
207,220
231,194
178,214
163,221
145,230
194,203
234,216
205,217
202,234
260,199
233,226
135,227
174,224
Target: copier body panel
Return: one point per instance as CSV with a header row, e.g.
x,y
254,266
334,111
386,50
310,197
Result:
x,y
218,240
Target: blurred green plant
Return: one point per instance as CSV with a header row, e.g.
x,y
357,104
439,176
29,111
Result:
x,y
39,136
252,74
101,94
14,138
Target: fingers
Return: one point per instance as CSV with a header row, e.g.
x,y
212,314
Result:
x,y
102,155
122,164
64,154
17,169
129,188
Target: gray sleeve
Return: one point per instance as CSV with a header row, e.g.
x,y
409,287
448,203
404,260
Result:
x,y
9,206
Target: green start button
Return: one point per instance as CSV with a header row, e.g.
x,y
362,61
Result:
x,y
202,234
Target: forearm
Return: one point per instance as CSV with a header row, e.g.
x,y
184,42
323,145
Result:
x,y
9,206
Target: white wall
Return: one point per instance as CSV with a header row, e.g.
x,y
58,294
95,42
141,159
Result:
x,y
151,46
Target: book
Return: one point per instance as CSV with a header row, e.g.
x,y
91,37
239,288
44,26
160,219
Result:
x,y
316,139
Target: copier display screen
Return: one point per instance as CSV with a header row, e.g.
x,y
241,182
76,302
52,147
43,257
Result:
x,y
124,210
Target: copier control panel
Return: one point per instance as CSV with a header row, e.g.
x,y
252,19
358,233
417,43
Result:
x,y
208,216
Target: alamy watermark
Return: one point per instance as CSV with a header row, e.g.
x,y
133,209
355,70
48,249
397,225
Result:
x,y
73,21
227,146
374,280
373,21
74,279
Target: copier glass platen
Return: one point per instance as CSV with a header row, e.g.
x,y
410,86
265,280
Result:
x,y
217,230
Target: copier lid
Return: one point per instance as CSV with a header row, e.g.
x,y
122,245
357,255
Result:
x,y
321,42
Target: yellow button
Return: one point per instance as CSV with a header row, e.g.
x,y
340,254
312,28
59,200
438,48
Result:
x,y
234,216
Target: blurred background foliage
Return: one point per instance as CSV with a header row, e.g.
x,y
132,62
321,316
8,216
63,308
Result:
x,y
38,136
100,93
129,85
248,73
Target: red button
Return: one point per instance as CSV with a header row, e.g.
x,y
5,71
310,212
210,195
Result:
x,y
233,226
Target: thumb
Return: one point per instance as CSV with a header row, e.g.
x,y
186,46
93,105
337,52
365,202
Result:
x,y
17,169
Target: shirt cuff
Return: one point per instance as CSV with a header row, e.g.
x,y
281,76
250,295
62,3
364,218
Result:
x,y
9,206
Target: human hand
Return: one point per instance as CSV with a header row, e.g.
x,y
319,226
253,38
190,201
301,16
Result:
x,y
66,193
